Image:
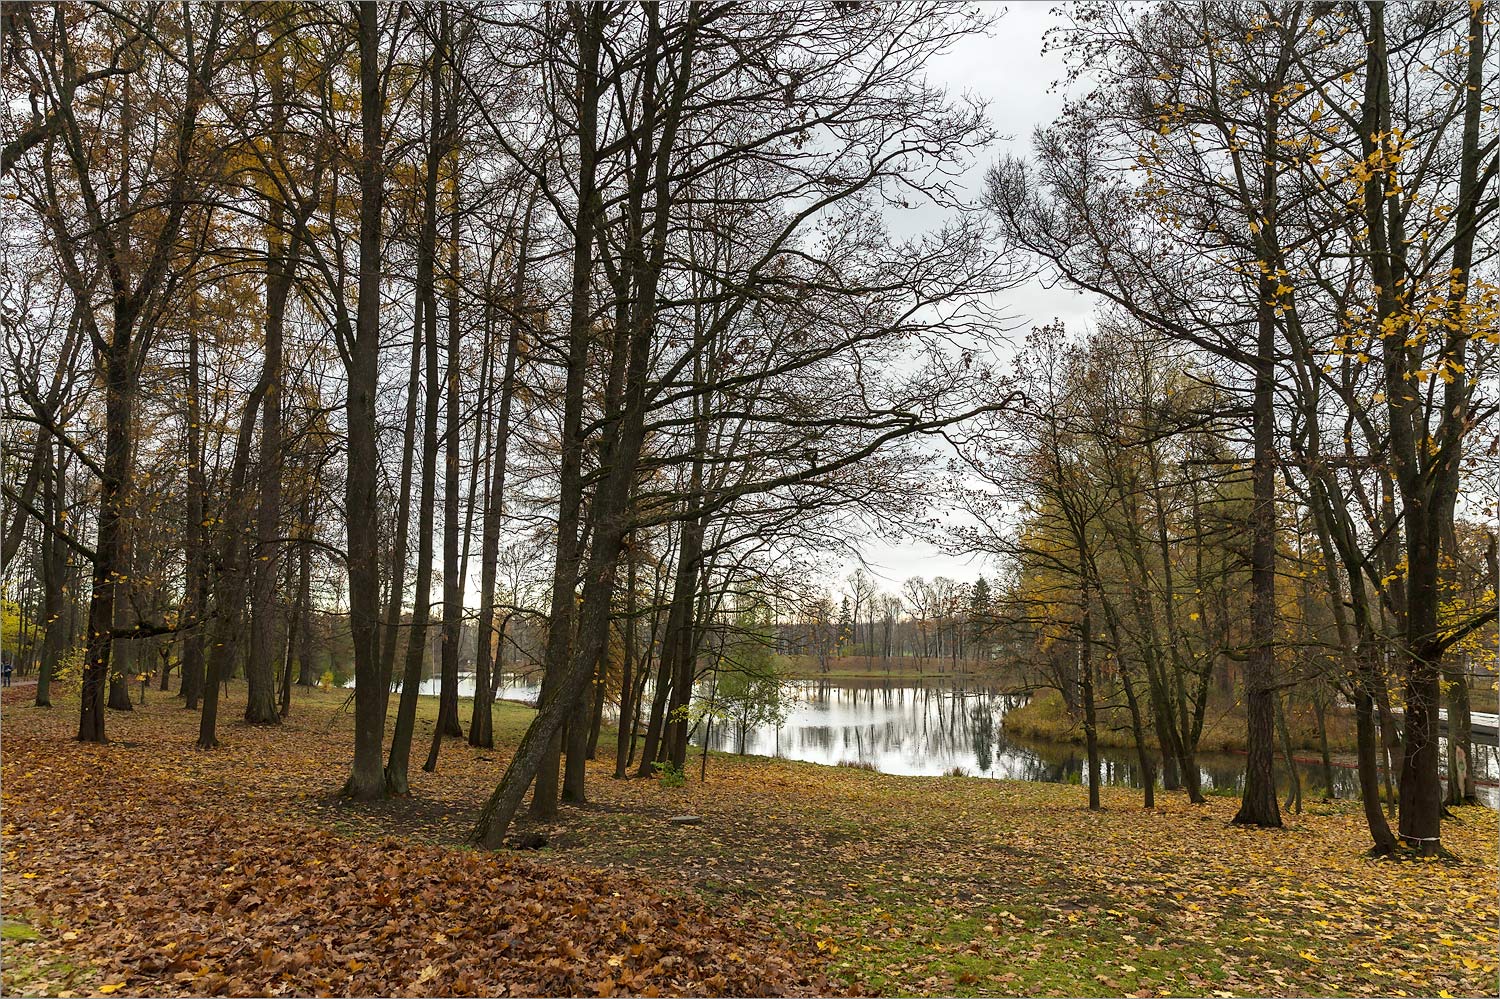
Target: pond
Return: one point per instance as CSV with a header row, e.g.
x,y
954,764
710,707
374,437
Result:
x,y
924,728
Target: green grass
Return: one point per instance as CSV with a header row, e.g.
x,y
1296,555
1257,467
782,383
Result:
x,y
31,971
17,931
919,885
1020,948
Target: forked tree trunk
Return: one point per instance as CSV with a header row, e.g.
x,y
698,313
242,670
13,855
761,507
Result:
x,y
545,753
611,508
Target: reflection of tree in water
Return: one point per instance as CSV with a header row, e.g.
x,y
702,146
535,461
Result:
x,y
982,724
916,728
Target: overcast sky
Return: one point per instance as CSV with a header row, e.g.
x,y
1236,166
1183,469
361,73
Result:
x,y
1008,71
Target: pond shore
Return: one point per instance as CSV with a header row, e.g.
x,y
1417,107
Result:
x,y
1045,717
901,885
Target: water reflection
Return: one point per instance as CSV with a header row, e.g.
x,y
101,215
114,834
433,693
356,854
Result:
x,y
513,687
924,729
927,728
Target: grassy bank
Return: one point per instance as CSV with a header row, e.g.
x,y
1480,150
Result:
x,y
800,879
1045,717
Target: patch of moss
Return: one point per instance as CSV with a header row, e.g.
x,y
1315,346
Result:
x,y
17,931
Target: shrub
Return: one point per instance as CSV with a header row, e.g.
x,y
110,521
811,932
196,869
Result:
x,y
669,774
67,672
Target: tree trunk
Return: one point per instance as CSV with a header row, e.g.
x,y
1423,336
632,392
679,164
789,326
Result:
x,y
297,626
306,675
1320,709
1258,807
403,502
1369,771
611,511
1090,721
1421,800
481,725
232,582
289,654
281,265
1161,718
547,751
1390,739
398,764
1294,780
453,583
1456,393
126,651
1142,750
371,692
625,725
642,676
577,740
692,547
683,591
1460,738
686,649
54,568
195,584
1360,655
597,722
119,403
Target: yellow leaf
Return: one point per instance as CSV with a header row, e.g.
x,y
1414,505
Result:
x,y
111,988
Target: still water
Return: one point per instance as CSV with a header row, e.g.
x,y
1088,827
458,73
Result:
x,y
907,726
